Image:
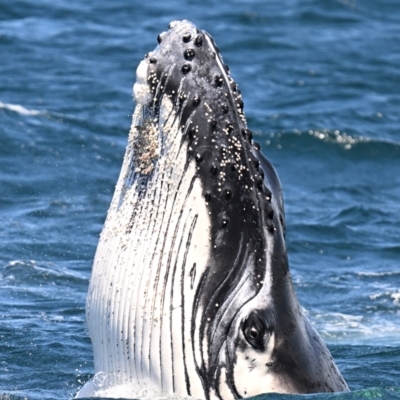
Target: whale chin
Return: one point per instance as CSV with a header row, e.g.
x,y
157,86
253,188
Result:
x,y
190,292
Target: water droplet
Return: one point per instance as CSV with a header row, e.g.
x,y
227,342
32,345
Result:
x,y
196,100
267,192
191,132
225,108
229,128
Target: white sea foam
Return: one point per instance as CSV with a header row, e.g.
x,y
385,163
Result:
x,y
393,294
342,138
356,329
102,385
20,109
377,274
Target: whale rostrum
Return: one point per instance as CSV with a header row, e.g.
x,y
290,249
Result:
x,y
190,288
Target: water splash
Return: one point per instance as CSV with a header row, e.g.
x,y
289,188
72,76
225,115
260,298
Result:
x,y
102,385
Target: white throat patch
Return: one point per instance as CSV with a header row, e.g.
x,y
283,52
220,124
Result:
x,y
152,253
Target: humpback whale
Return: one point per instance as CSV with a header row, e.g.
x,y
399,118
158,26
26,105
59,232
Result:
x,y
191,291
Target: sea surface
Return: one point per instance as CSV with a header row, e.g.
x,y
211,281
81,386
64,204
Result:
x,y
321,87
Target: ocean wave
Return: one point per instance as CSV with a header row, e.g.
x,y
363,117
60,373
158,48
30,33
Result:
x,y
378,274
336,136
12,396
343,139
23,271
20,109
391,294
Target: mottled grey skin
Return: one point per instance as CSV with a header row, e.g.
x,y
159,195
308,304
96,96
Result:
x,y
264,315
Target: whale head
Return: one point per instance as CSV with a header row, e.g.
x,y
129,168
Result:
x,y
191,288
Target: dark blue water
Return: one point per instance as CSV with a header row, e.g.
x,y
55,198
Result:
x,y
321,85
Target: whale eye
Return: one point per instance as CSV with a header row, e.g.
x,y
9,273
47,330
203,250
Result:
x,y
254,330
253,333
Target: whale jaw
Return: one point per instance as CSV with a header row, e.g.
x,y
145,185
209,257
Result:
x,y
190,291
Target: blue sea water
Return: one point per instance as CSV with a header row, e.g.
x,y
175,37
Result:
x,y
321,86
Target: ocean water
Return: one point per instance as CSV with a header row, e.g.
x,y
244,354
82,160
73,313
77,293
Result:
x,y
321,86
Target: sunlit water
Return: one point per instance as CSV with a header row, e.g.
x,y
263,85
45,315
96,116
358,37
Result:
x,y
321,85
